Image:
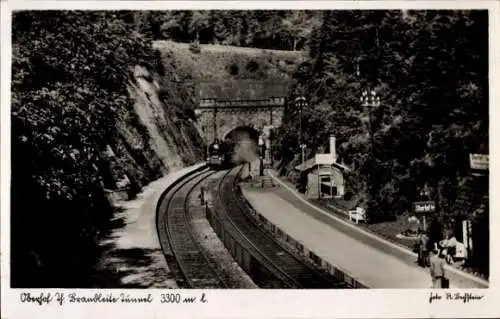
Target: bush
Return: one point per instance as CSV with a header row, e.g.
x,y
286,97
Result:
x,y
234,69
252,66
195,47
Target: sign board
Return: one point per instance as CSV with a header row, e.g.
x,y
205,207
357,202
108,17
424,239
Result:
x,y
479,161
424,207
261,140
324,170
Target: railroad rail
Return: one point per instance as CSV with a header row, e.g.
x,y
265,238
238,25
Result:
x,y
284,265
193,267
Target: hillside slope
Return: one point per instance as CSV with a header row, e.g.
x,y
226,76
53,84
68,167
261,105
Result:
x,y
233,72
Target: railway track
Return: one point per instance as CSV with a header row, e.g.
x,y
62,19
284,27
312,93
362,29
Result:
x,y
192,266
294,272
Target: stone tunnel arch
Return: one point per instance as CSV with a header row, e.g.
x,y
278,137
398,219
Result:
x,y
225,106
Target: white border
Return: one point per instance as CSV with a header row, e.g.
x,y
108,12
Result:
x,y
250,5
253,303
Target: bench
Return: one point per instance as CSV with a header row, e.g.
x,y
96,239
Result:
x,y
359,214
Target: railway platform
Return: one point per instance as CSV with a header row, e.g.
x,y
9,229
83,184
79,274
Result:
x,y
373,261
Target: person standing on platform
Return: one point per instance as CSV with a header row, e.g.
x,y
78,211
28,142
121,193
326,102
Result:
x,y
423,250
436,269
451,245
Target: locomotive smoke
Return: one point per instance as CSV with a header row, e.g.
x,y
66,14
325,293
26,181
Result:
x,y
245,149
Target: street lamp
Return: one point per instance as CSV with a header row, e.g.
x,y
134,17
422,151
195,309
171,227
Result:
x,y
270,152
370,100
301,102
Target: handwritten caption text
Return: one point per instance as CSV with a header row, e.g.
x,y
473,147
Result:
x,y
61,298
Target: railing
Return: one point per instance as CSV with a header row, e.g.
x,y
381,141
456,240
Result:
x,y
224,103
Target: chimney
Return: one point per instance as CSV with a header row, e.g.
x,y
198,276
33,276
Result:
x,y
332,148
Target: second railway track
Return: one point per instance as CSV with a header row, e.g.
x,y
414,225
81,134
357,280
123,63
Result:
x,y
292,271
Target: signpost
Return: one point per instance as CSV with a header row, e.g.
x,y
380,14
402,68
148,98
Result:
x,y
479,164
467,232
424,208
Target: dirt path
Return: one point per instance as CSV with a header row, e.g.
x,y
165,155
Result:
x,y
132,255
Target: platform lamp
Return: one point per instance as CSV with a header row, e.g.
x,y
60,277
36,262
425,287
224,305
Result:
x,y
301,102
261,152
370,100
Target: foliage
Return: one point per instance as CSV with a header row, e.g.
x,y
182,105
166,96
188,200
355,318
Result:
x,y
430,70
270,29
69,76
195,47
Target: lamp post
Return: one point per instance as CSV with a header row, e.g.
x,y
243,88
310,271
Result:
x,y
370,100
261,152
214,123
271,132
301,102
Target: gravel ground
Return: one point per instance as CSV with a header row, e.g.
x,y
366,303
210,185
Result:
x,y
219,256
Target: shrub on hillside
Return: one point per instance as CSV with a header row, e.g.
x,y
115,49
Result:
x,y
195,47
252,66
234,69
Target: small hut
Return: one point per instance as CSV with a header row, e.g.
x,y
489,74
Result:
x,y
325,177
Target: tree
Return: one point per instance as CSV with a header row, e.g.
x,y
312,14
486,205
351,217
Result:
x,y
70,70
199,21
430,70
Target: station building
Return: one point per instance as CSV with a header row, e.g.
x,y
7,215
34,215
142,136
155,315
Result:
x,y
325,177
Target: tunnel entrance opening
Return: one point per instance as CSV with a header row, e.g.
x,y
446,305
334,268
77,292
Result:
x,y
244,139
243,132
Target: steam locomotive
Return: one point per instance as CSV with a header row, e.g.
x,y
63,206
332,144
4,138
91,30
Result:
x,y
220,154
